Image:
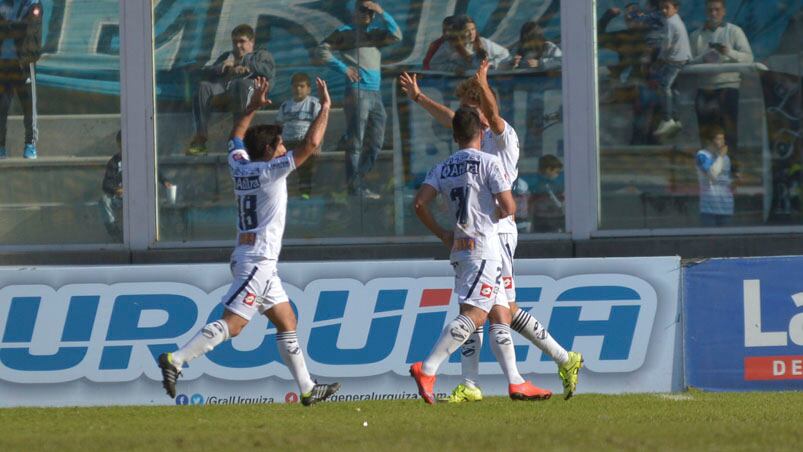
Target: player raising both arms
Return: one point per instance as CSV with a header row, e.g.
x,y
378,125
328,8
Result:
x,y
499,139
478,194
259,164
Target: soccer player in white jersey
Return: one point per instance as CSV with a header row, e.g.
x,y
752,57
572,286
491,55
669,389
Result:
x,y
259,165
500,139
478,195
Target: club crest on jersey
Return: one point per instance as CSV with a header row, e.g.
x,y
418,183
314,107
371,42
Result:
x,y
246,183
460,168
249,299
486,291
507,281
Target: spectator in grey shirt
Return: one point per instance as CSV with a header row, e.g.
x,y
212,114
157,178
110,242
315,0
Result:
x,y
674,54
229,82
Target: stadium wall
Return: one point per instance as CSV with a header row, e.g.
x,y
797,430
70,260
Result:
x,y
89,335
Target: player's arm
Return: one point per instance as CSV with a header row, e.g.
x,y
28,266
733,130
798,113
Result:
x,y
258,100
421,208
317,129
488,103
505,203
440,112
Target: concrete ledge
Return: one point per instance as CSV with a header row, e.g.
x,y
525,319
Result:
x,y
687,247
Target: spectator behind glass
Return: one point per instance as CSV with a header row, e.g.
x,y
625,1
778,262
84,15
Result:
x,y
295,116
20,48
675,53
534,51
111,201
447,28
546,202
717,101
630,44
359,60
466,50
229,81
714,176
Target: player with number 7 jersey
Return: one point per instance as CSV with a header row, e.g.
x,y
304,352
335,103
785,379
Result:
x,y
478,195
259,165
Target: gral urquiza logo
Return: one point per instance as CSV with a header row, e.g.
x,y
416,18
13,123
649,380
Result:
x,y
347,328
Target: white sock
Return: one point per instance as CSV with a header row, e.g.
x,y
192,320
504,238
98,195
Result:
x,y
210,336
453,336
532,329
287,343
470,358
502,345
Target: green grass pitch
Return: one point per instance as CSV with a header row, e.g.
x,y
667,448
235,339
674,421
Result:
x,y
685,421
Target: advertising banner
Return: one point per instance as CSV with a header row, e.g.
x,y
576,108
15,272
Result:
x,y
91,335
744,324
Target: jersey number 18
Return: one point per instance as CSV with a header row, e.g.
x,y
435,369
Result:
x,y
247,205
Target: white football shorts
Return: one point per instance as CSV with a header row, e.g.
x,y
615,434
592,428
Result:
x,y
508,242
256,288
477,283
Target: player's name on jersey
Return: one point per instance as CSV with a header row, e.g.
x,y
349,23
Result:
x,y
464,244
460,168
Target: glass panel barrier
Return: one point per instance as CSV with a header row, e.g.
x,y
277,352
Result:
x,y
59,118
379,145
699,113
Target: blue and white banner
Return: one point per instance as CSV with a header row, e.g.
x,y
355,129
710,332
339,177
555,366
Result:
x,y
90,335
744,324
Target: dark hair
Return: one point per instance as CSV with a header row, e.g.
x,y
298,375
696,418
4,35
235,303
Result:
x,y
465,125
675,3
722,2
460,23
711,132
243,30
549,161
531,38
300,77
257,138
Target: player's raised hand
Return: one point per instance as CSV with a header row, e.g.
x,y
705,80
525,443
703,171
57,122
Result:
x,y
323,93
409,85
482,72
260,97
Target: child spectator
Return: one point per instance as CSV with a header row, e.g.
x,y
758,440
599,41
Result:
x,y
533,51
714,175
675,53
466,49
296,115
546,195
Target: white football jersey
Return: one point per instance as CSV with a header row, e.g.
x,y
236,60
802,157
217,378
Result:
x,y
506,147
261,192
468,180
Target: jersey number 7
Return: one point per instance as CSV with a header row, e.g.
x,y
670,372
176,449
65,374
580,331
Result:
x,y
460,196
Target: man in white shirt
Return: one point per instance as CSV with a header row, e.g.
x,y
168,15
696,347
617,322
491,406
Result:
x,y
259,164
478,194
499,139
717,102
